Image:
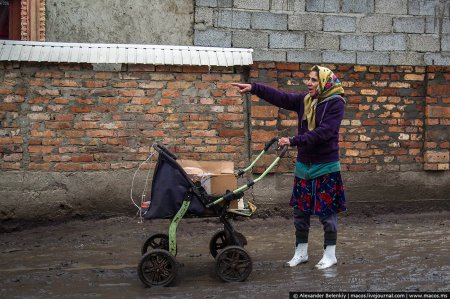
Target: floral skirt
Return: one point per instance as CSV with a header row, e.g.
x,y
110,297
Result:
x,y
321,196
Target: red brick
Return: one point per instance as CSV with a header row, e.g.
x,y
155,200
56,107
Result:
x,y
211,77
164,102
80,109
287,66
99,133
230,116
38,166
436,156
263,135
125,84
39,100
40,149
154,133
131,93
85,125
8,107
56,158
179,85
68,166
438,90
230,101
103,92
170,93
65,83
6,90
57,125
13,157
82,158
196,125
68,149
94,84
61,101
142,101
195,69
52,141
46,133
103,75
48,92
437,111
64,117
71,133
264,111
49,74
84,101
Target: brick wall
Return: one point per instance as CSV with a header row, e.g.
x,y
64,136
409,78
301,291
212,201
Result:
x,y
67,117
72,118
385,127
437,119
72,137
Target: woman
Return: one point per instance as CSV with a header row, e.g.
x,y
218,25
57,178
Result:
x,y
318,188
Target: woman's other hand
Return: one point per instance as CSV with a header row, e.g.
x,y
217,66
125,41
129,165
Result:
x,y
243,87
283,141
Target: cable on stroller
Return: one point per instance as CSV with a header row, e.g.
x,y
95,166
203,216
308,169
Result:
x,y
143,195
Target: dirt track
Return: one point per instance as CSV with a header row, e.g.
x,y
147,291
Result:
x,y
99,258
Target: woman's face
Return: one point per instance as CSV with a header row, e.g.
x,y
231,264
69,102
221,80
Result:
x,y
313,83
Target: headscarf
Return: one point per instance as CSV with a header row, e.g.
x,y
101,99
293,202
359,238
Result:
x,y
329,85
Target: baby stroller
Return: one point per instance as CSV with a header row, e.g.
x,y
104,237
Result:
x,y
174,195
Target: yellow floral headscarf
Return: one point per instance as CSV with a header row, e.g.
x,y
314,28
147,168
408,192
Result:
x,y
329,85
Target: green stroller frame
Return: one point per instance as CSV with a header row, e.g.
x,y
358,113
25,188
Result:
x,y
158,266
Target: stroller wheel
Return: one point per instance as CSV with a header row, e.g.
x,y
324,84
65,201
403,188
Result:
x,y
156,241
233,264
218,242
157,268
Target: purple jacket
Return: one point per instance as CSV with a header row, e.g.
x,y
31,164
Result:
x,y
320,145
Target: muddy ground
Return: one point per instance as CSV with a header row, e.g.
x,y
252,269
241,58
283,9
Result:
x,y
98,258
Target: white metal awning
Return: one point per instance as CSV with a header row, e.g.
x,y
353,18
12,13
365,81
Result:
x,y
122,53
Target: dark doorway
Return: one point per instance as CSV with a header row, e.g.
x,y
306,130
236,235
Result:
x,y
10,19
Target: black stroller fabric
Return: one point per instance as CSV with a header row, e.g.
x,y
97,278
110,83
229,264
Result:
x,y
169,186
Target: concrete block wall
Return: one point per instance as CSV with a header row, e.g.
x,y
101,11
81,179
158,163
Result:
x,y
373,32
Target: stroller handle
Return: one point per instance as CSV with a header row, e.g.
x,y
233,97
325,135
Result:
x,y
269,144
233,194
164,151
241,172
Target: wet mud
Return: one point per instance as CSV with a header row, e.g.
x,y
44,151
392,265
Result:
x,y
98,259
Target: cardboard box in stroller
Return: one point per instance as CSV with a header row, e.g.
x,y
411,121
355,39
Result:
x,y
216,176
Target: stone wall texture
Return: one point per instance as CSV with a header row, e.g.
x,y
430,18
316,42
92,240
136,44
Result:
x,y
366,32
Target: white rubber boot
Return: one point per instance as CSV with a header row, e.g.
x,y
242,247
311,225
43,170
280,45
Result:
x,y
328,259
300,255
